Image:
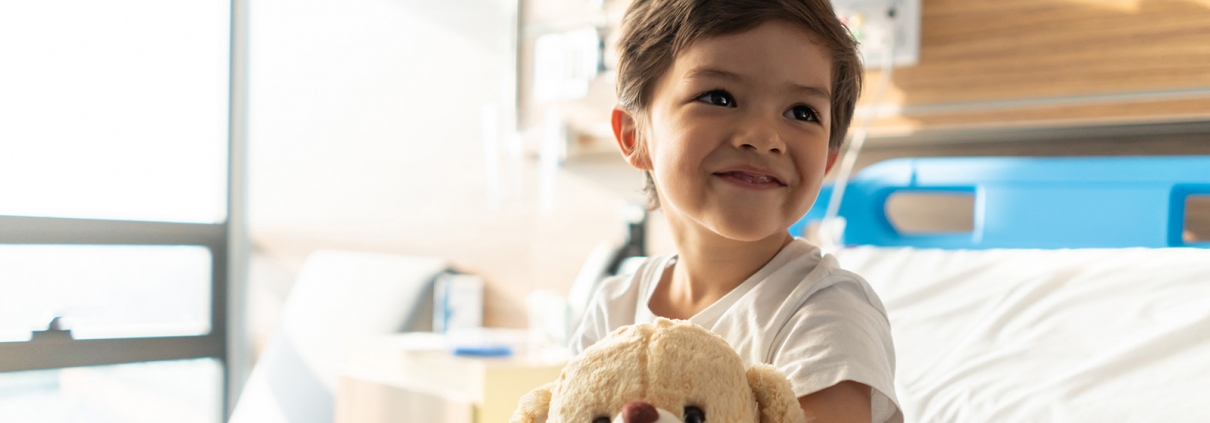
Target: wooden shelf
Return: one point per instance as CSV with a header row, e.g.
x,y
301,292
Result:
x,y
1062,62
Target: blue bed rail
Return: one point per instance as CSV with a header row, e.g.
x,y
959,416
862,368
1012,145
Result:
x,y
1083,202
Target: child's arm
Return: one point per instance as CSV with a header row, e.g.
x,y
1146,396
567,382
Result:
x,y
844,402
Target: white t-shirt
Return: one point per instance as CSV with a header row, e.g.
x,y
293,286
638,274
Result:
x,y
818,324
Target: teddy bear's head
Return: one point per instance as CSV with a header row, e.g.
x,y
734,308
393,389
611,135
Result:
x,y
661,372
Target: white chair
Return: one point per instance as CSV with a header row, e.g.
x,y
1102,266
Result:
x,y
339,297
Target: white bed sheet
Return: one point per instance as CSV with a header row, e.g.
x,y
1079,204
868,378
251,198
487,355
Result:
x,y
1091,335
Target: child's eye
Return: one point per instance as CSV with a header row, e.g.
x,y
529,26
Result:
x,y
717,98
803,113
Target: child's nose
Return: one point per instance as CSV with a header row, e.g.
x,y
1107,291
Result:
x,y
761,141
758,135
774,150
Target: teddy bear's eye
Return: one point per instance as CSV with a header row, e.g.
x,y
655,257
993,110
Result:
x,y
601,419
694,415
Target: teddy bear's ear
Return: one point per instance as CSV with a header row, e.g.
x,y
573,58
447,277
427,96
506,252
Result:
x,y
774,396
534,406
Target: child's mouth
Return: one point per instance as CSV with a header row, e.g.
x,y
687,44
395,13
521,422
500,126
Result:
x,y
754,180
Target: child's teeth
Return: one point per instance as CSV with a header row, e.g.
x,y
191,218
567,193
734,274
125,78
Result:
x,y
752,179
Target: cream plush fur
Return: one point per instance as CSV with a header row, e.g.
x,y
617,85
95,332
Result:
x,y
669,364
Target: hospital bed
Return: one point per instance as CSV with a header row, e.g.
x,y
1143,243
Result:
x,y
1076,295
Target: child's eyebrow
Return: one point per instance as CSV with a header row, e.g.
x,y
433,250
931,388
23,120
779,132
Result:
x,y
819,93
711,73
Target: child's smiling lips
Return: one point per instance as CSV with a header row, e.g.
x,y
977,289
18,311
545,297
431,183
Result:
x,y
751,177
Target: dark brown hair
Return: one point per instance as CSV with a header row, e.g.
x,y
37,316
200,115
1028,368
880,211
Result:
x,y
654,32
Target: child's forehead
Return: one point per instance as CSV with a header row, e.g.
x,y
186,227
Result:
x,y
774,51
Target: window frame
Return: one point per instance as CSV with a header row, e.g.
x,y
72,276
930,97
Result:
x,y
52,350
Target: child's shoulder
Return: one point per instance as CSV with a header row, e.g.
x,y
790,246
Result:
x,y
802,281
620,293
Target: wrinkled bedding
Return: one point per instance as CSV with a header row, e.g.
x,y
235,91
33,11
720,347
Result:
x,y
1089,335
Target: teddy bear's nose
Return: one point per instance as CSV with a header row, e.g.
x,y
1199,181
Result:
x,y
639,412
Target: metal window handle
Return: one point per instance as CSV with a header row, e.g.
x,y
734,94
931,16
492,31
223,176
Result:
x,y
54,331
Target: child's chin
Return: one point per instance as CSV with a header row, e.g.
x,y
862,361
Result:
x,y
748,231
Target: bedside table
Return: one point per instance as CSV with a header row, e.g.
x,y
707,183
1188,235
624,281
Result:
x,y
413,378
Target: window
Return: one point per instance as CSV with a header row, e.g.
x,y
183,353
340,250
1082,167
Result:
x,y
120,137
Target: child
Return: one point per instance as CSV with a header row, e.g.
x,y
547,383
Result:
x,y
736,110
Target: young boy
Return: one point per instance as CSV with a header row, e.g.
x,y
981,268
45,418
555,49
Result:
x,y
736,110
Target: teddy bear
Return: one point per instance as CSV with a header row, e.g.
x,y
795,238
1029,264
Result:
x,y
661,372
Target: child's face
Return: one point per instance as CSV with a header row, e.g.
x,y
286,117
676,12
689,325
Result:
x,y
738,135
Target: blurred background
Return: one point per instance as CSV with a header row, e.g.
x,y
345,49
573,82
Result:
x,y
169,169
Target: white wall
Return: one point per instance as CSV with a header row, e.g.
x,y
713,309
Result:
x,y
365,133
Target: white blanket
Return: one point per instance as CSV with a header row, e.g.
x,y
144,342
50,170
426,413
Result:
x,y
1046,335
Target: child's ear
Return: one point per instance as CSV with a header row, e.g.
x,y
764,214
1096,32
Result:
x,y
626,131
833,154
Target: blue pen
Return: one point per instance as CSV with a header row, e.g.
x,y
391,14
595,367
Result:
x,y
484,351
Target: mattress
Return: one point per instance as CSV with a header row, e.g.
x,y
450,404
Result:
x,y
1088,335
